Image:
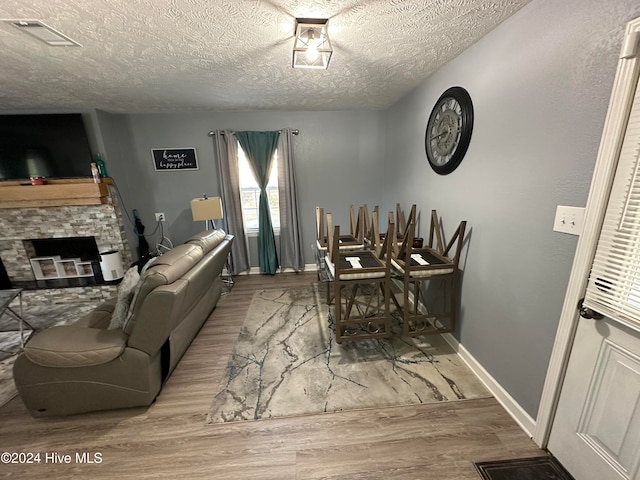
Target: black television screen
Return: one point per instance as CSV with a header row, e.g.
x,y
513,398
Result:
x,y
47,145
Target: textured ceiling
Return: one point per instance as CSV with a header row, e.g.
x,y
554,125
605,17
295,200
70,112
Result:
x,y
180,55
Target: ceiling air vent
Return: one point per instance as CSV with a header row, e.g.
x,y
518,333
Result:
x,y
44,33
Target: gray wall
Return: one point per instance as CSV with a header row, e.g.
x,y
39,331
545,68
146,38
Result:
x,y
115,143
339,161
540,84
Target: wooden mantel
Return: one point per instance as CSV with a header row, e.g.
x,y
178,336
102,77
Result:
x,y
55,193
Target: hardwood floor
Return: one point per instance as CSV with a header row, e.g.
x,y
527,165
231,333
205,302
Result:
x,y
170,439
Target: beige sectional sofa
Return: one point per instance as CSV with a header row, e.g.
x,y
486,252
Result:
x,y
88,366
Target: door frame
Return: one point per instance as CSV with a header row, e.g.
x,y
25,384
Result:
x,y
606,163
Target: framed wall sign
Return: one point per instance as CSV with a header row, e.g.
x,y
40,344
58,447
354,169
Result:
x,y
172,159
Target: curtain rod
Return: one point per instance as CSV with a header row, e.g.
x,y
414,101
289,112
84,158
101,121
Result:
x,y
294,132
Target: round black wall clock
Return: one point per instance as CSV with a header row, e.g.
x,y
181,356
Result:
x,y
449,130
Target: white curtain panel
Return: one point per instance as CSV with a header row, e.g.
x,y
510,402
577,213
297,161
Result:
x,y
291,254
226,147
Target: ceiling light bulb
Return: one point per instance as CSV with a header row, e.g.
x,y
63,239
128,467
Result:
x,y
312,46
312,53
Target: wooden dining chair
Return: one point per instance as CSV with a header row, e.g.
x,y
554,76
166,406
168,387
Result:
x,y
360,289
321,235
403,222
348,241
399,220
429,296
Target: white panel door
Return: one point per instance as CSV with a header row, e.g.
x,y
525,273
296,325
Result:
x,y
596,432
596,429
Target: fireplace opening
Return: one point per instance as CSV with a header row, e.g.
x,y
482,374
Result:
x,y
84,248
5,283
59,258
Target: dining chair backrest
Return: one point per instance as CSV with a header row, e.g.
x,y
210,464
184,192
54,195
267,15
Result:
x,y
356,223
437,242
332,243
321,233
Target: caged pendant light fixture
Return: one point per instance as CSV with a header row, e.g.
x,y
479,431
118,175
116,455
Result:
x,y
312,47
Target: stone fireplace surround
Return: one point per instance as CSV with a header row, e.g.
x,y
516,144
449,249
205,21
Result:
x,y
103,221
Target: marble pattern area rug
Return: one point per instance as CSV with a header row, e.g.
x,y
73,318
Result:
x,y
39,318
286,363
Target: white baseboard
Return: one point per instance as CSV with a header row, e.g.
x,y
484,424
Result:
x,y
513,408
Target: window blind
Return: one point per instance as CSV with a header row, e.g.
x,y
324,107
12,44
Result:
x,y
613,288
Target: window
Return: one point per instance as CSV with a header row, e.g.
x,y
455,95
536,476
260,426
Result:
x,y
614,282
250,193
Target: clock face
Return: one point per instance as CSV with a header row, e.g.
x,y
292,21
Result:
x,y
449,130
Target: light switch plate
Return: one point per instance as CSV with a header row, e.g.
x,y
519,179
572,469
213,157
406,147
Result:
x,y
569,220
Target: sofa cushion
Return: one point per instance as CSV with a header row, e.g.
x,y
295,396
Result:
x,y
165,270
208,240
71,346
126,291
170,266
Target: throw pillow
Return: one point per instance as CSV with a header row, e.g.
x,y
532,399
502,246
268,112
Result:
x,y
136,291
126,290
147,265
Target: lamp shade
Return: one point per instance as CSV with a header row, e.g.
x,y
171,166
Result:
x,y
206,208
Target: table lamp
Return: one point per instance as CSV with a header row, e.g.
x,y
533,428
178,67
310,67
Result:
x,y
206,209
